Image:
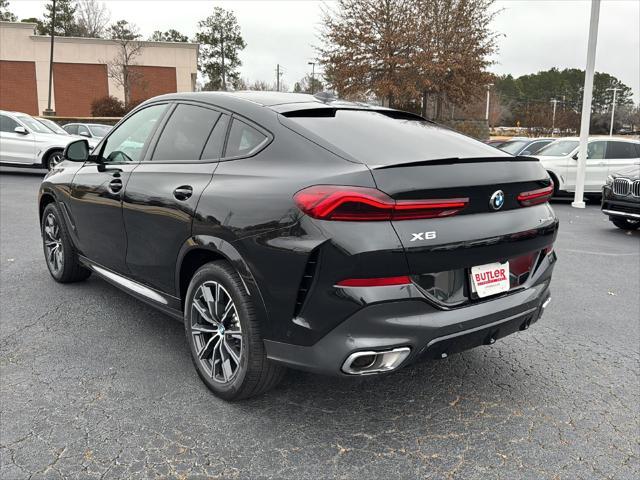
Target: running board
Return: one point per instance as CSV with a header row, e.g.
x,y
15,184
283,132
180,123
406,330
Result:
x,y
167,303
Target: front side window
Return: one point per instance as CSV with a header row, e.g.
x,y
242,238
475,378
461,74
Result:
x,y
185,134
82,130
535,147
513,147
127,142
7,124
72,129
622,150
595,150
243,139
99,130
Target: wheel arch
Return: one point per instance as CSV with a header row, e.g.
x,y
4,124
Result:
x,y
202,249
49,151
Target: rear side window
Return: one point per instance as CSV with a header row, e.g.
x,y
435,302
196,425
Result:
x,y
622,150
535,147
378,139
215,143
7,124
185,134
243,139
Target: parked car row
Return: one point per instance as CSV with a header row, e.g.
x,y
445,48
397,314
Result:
x,y
28,141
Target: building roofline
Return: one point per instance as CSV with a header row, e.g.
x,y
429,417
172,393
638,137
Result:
x,y
145,43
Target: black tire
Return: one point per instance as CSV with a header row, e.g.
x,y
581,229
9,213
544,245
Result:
x,y
254,373
53,158
63,264
624,223
556,185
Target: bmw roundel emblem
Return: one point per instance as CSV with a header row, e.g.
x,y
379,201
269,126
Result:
x,y
497,200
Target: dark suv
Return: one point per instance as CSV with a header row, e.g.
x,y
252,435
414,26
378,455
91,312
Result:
x,y
621,198
290,230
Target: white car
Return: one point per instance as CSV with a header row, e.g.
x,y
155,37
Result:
x,y
605,155
25,142
57,129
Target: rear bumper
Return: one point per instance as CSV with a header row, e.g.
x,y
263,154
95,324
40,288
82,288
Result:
x,y
427,330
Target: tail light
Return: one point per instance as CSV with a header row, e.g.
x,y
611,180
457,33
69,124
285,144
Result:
x,y
375,282
353,204
535,197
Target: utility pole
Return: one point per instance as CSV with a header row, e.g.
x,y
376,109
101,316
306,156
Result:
x,y
278,75
587,95
553,121
48,111
613,107
313,68
486,115
224,79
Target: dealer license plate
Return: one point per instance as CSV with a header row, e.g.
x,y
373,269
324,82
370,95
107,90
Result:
x,y
490,279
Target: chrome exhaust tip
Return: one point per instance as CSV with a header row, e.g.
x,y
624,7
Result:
x,y
365,363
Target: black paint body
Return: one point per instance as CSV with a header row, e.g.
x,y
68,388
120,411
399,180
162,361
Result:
x,y
242,210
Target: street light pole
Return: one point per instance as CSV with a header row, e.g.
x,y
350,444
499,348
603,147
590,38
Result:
x,y
48,111
313,71
486,115
587,94
613,108
553,120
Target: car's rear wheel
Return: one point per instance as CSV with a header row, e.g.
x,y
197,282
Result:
x,y
625,223
224,335
53,159
62,259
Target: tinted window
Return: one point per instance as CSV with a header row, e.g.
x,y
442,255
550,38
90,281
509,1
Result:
x,y
243,139
595,150
185,134
7,124
73,129
127,142
213,148
621,150
378,139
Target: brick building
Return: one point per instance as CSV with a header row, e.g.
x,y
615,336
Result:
x,y
80,71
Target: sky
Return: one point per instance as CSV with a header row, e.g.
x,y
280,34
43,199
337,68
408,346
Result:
x,y
535,35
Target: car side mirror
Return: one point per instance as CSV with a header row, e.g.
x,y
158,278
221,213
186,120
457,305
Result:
x,y
85,134
575,157
21,130
77,151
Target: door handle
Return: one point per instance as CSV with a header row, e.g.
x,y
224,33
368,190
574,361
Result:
x,y
115,185
183,192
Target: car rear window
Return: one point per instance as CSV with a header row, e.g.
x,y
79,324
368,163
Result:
x,y
378,139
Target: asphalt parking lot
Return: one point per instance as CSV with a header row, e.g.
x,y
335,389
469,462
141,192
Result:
x,y
94,384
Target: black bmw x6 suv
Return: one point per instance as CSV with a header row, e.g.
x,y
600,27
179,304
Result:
x,y
290,230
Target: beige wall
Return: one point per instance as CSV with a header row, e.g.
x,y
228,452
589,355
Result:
x,y
18,43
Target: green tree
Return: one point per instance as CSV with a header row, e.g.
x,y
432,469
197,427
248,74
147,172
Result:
x,y
221,43
5,14
65,20
168,36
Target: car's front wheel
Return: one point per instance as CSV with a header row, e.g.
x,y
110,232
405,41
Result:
x,y
53,159
625,223
62,259
224,335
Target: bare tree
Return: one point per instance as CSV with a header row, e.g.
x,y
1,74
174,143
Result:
x,y
93,18
119,68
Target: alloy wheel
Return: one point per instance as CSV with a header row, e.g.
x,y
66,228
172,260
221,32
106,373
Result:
x,y
216,332
53,244
54,159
